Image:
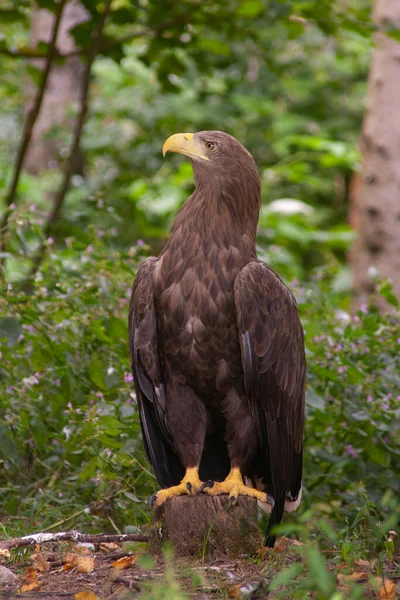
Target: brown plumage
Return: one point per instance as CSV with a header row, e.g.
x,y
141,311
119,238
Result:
x,y
216,343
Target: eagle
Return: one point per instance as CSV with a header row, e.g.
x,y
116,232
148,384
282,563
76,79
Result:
x,y
217,346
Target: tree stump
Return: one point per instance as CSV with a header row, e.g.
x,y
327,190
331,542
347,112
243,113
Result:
x,y
200,526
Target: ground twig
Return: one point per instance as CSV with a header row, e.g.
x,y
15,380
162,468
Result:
x,y
131,585
70,536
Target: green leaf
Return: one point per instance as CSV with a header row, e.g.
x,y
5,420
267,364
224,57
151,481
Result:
x,y
50,5
250,8
11,16
322,579
82,33
386,290
286,576
96,371
132,497
8,447
215,46
312,399
112,379
10,329
394,34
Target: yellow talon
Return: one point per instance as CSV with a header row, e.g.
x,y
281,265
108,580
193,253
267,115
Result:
x,y
190,484
233,486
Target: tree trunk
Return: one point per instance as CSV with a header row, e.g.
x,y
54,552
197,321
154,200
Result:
x,y
201,526
62,91
377,207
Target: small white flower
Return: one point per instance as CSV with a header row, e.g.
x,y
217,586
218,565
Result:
x,y
373,272
342,315
67,432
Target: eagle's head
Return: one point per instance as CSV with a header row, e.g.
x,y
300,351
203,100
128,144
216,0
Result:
x,y
213,154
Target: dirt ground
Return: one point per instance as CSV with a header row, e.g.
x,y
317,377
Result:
x,y
67,571
56,574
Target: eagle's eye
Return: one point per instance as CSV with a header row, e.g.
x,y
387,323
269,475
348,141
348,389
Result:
x,y
210,146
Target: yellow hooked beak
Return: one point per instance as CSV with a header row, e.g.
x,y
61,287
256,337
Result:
x,y
184,143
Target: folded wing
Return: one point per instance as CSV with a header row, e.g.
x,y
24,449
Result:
x,y
273,361
146,369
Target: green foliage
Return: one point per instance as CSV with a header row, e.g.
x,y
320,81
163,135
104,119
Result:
x,y
69,425
353,416
68,415
271,73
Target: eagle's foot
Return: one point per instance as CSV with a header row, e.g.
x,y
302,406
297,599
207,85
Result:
x,y
190,484
233,486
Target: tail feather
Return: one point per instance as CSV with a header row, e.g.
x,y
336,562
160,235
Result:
x,y
275,519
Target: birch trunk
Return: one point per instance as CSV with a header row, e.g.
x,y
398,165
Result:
x,y
377,205
62,91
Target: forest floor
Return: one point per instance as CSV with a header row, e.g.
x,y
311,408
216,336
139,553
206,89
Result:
x,y
67,571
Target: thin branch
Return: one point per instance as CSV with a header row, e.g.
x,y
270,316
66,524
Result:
x,y
28,127
24,53
106,47
54,214
129,583
70,536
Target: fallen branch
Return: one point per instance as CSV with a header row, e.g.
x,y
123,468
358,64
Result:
x,y
28,127
70,536
54,214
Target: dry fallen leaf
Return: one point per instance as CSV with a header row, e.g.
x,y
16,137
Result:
x,y
366,564
31,583
387,591
69,561
85,596
29,575
109,547
4,554
40,564
281,543
85,564
29,587
356,576
83,548
70,557
234,591
125,562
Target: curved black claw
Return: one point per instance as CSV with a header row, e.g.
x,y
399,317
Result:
x,y
232,501
206,484
270,500
152,499
189,488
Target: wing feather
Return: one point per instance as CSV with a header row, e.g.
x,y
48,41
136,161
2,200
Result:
x,y
273,361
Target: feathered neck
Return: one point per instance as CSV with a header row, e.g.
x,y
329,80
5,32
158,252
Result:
x,y
223,210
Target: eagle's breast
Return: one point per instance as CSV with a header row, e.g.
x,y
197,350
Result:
x,y
196,312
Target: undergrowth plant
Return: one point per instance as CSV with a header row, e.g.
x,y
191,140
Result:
x,y
70,444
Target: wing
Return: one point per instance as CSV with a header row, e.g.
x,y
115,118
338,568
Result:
x,y
147,372
273,361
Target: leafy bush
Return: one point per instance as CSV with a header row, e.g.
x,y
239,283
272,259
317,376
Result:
x,y
353,433
69,425
70,445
